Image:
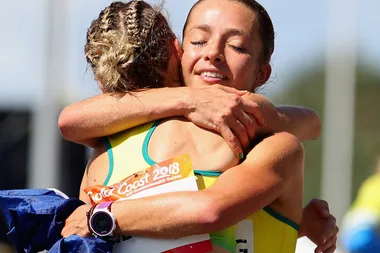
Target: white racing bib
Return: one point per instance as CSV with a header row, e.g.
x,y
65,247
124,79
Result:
x,y
172,175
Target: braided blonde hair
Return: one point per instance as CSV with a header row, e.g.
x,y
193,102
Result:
x,y
129,46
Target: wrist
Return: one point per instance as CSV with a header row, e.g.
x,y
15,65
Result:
x,y
161,103
121,220
302,231
101,221
88,215
182,104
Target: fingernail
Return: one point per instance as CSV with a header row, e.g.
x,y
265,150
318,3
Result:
x,y
326,212
241,156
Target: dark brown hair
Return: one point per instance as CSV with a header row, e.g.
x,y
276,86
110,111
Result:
x,y
129,47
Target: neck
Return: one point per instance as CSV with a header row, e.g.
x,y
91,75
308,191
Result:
x,y
172,79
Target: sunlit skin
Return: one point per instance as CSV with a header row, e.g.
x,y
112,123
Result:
x,y
221,45
223,40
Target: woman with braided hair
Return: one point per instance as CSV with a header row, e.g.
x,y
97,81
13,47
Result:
x,y
121,63
121,40
264,190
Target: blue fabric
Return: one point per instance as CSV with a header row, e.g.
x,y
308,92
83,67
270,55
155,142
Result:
x,y
35,219
362,239
75,243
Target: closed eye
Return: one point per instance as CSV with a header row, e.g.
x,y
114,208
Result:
x,y
238,49
198,43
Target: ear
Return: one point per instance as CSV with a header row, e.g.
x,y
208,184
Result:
x,y
101,86
178,48
263,75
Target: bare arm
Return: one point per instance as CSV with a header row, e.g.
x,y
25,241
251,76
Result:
x,y
213,107
302,122
106,114
262,177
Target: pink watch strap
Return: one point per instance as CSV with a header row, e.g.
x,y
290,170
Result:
x,y
105,205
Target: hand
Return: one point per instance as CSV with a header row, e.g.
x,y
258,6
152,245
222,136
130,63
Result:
x,y
319,226
77,223
222,109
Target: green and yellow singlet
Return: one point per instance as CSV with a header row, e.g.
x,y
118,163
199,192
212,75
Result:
x,y
265,231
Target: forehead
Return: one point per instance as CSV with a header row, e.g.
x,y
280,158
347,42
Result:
x,y
222,14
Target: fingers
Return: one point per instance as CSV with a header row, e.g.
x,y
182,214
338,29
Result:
x,y
240,132
76,223
322,207
231,90
329,246
241,126
330,243
253,108
68,230
249,123
66,234
223,110
63,232
244,120
231,140
331,229
330,250
231,124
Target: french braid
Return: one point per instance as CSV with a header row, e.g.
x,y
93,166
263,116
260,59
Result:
x,y
129,47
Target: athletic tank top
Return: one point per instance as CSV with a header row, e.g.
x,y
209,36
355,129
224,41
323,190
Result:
x,y
265,231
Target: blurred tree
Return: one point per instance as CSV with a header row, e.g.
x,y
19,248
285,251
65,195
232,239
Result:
x,y
307,89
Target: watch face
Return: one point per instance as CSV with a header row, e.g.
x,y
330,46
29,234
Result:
x,y
101,223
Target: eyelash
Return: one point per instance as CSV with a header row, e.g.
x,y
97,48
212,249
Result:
x,y
198,43
202,43
238,49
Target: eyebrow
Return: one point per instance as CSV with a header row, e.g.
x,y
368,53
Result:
x,y
229,32
204,28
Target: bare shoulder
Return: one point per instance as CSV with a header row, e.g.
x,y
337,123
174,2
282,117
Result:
x,y
275,142
263,176
275,151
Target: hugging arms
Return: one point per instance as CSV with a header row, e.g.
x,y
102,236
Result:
x,y
272,173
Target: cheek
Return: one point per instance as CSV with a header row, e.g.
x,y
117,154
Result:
x,y
189,59
245,73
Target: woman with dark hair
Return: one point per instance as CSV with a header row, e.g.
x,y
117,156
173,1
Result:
x,y
264,190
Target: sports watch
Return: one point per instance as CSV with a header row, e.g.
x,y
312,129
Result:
x,y
101,221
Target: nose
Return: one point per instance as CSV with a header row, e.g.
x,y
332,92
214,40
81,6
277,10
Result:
x,y
214,54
